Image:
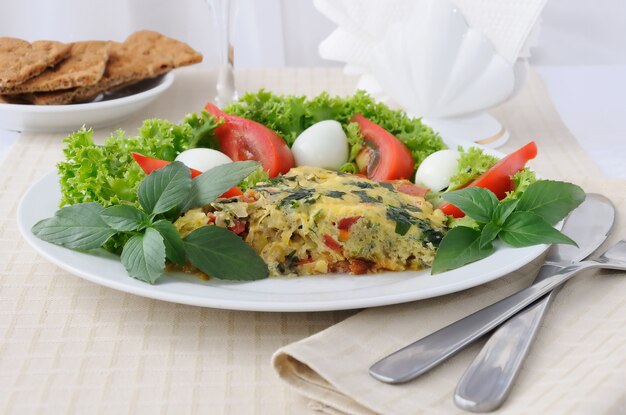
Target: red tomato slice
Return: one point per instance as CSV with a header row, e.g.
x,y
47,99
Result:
x,y
389,159
235,191
149,164
409,188
413,189
242,139
237,228
498,177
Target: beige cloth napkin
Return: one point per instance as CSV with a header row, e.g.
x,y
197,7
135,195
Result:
x,y
578,362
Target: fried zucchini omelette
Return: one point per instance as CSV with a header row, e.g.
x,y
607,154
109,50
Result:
x,y
316,221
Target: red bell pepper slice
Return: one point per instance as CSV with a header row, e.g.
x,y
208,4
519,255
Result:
x,y
243,139
387,157
498,177
332,243
344,226
346,223
149,164
304,261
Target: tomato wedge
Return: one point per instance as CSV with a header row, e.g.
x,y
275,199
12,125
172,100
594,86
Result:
x,y
149,164
242,139
387,158
498,177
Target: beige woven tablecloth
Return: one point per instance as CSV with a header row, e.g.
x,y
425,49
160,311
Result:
x,y
70,346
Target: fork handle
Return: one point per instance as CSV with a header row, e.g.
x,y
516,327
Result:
x,y
488,380
424,354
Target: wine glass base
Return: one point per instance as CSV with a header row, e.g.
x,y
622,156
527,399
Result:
x,y
480,128
226,92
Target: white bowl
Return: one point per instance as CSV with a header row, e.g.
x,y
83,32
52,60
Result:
x,y
65,118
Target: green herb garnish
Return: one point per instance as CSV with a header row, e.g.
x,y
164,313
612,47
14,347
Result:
x,y
402,218
258,176
365,197
521,222
472,163
150,237
336,194
297,196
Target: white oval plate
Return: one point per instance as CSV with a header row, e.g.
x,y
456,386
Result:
x,y
65,118
316,293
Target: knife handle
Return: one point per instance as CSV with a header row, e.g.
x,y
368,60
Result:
x,y
488,380
424,354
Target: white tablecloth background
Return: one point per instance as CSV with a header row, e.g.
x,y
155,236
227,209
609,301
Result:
x,y
581,50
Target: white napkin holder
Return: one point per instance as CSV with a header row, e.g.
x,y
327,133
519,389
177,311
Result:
x,y
423,56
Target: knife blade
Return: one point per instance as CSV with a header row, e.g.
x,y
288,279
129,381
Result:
x,y
424,354
488,380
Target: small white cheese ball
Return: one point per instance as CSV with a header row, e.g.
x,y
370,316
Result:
x,y
324,144
202,159
436,170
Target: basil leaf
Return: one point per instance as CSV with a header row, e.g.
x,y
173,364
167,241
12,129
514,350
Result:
x,y
165,188
488,234
527,228
174,247
504,210
143,256
78,227
221,254
124,217
477,203
459,247
212,183
552,200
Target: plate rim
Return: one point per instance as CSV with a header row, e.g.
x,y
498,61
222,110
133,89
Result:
x,y
166,82
153,291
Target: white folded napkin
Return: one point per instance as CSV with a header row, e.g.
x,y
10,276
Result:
x,y
506,23
435,58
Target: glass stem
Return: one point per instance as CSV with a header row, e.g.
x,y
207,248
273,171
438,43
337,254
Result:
x,y
224,11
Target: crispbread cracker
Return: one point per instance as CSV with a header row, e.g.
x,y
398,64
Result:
x,y
21,60
83,67
143,55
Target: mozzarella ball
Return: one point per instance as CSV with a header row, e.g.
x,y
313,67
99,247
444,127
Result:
x,y
436,169
203,159
324,144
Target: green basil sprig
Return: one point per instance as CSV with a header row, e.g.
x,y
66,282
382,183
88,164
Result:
x,y
166,193
526,221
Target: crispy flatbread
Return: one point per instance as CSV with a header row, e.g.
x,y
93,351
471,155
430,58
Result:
x,y
83,67
21,60
143,55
